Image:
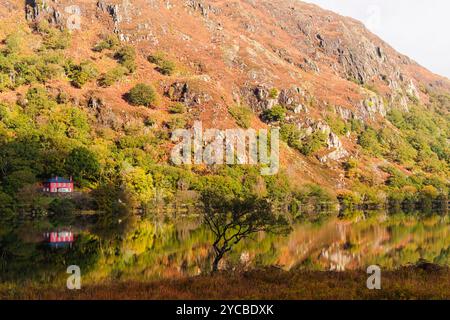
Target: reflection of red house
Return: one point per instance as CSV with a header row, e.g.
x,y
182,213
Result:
x,y
64,236
58,185
59,239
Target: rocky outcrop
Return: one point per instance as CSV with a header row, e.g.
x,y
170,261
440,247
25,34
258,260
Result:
x,y
372,106
263,97
334,145
335,155
95,102
300,108
103,113
185,93
308,65
259,98
119,13
202,7
290,98
345,113
36,10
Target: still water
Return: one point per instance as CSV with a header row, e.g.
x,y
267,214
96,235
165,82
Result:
x,y
159,247
170,248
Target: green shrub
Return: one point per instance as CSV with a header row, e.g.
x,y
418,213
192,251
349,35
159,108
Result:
x,y
111,42
141,95
19,66
112,76
80,74
176,123
402,152
20,70
3,111
313,143
5,82
356,125
38,99
149,122
337,125
306,145
6,207
164,66
62,98
25,71
156,58
426,131
368,139
14,43
291,135
167,68
315,195
273,93
427,196
177,108
47,71
397,179
351,168
349,199
397,119
277,113
54,39
16,180
126,56
242,115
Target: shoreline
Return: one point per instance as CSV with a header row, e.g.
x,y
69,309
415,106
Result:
x,y
427,281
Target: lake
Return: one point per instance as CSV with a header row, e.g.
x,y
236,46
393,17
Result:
x,y
161,247
167,248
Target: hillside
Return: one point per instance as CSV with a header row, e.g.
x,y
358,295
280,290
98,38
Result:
x,y
357,118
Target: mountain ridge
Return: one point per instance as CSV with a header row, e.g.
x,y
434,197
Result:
x,y
235,52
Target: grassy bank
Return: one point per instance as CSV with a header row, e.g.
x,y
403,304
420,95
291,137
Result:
x,y
424,282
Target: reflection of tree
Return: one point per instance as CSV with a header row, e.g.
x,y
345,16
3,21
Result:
x,y
115,211
232,219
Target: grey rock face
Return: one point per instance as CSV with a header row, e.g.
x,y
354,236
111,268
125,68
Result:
x,y
261,98
334,144
372,106
95,102
182,92
344,113
335,155
202,7
308,65
258,98
38,10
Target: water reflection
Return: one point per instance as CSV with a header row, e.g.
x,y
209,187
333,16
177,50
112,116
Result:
x,y
158,246
182,247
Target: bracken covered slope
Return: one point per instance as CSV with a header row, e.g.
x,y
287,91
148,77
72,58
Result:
x,y
318,66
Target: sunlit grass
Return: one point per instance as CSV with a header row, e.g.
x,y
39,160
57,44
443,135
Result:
x,y
429,282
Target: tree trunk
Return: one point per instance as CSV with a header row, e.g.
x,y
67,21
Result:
x,y
215,266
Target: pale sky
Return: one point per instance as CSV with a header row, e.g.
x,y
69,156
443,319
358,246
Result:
x,y
417,28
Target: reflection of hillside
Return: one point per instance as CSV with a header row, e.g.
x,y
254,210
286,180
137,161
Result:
x,y
348,246
168,248
305,240
337,258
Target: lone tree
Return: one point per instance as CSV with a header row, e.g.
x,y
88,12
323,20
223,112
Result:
x,y
232,219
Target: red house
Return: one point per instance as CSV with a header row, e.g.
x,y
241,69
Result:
x,y
58,185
